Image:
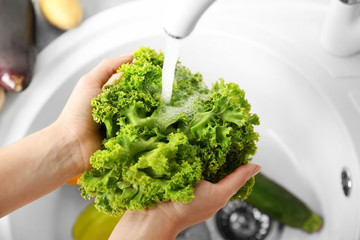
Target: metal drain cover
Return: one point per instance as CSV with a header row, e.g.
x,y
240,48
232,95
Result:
x,y
241,221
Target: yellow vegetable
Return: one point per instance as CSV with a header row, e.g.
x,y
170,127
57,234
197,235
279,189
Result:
x,y
63,14
2,97
94,225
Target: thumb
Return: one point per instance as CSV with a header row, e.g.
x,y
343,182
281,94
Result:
x,y
102,72
231,184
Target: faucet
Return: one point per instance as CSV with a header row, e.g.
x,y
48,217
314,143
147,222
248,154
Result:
x,y
182,16
341,30
340,35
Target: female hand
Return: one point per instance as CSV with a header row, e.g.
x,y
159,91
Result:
x,y
76,117
45,160
166,220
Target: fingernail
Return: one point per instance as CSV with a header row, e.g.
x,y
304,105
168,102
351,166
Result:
x,y
255,170
113,79
129,56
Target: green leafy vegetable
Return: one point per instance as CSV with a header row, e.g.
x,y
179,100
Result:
x,y
156,151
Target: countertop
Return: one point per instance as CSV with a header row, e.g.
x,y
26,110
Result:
x,y
46,33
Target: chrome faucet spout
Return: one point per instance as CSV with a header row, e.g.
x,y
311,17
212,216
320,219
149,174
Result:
x,y
181,16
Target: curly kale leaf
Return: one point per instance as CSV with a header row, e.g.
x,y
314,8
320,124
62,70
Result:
x,y
155,151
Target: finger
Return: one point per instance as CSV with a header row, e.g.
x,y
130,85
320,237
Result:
x,y
113,79
231,184
102,72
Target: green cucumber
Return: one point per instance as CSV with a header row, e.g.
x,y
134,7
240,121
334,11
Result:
x,y
281,205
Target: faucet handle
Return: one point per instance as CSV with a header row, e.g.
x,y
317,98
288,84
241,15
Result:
x,y
341,30
350,2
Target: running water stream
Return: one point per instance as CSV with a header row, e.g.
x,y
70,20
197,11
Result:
x,y
171,55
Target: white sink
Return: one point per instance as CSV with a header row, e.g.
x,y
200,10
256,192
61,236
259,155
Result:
x,y
308,101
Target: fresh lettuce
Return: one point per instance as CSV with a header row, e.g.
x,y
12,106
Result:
x,y
155,151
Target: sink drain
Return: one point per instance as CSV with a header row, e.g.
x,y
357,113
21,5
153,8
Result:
x,y
240,221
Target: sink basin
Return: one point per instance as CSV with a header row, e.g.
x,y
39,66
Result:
x,y
308,101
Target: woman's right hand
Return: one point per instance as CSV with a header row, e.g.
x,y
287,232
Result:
x,y
167,219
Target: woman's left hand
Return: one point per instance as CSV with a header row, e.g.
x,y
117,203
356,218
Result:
x,y
45,160
76,117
